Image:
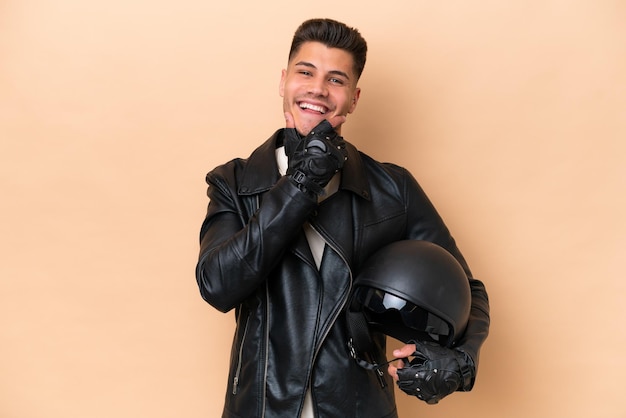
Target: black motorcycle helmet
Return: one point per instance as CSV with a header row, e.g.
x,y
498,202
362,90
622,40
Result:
x,y
414,290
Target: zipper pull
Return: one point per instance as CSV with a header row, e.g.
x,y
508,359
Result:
x,y
381,378
379,373
235,384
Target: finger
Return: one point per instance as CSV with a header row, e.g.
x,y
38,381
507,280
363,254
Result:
x,y
289,120
405,351
400,363
392,369
337,120
393,372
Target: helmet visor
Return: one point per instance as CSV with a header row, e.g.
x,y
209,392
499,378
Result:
x,y
393,315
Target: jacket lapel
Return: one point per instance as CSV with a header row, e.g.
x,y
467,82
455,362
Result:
x,y
333,221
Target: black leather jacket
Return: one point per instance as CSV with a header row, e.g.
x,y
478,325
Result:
x,y
291,330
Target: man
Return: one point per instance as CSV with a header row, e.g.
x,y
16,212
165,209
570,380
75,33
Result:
x,y
288,229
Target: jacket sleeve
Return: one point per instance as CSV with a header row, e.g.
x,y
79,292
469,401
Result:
x,y
237,254
425,223
477,329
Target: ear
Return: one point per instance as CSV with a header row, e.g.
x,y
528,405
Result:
x,y
281,86
355,99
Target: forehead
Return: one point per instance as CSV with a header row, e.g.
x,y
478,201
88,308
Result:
x,y
324,58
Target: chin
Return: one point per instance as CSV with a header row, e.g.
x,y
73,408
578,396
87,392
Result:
x,y
306,126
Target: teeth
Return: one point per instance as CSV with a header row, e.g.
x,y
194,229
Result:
x,y
313,107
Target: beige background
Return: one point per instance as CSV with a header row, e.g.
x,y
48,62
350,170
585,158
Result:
x,y
511,114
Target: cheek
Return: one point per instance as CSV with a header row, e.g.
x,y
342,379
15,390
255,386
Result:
x,y
346,104
290,84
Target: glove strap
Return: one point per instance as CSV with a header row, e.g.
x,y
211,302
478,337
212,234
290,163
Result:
x,y
306,185
466,365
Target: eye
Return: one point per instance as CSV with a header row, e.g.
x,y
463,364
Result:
x,y
335,80
304,72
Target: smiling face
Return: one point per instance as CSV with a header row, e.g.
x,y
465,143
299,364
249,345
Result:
x,y
319,83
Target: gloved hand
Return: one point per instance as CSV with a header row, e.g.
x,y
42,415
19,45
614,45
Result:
x,y
435,372
314,159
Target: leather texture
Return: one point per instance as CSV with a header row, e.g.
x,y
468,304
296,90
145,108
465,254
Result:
x,y
435,372
315,158
291,330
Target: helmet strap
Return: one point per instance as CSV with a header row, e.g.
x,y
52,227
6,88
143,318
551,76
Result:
x,y
360,342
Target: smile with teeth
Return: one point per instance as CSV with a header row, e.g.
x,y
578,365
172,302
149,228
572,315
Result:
x,y
320,109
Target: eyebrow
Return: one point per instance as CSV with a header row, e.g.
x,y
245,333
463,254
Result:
x,y
310,65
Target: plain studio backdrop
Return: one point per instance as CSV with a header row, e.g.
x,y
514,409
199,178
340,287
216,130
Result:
x,y
512,115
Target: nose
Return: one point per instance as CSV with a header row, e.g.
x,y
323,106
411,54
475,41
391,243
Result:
x,y
317,87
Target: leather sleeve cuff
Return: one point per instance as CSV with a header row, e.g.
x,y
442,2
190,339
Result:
x,y
468,371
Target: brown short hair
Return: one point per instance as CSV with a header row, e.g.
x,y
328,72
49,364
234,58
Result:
x,y
333,34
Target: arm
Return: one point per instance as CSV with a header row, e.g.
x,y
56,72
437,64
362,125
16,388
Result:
x,y
477,330
235,258
425,223
236,253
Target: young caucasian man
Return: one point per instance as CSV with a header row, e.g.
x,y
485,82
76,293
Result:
x,y
287,230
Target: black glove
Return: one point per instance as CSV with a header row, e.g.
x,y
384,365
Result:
x,y
314,159
435,372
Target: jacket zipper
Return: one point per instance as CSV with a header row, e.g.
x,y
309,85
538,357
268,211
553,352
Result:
x,y
267,346
379,373
343,304
240,355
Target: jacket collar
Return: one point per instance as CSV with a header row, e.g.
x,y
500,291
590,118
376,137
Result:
x,y
261,171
